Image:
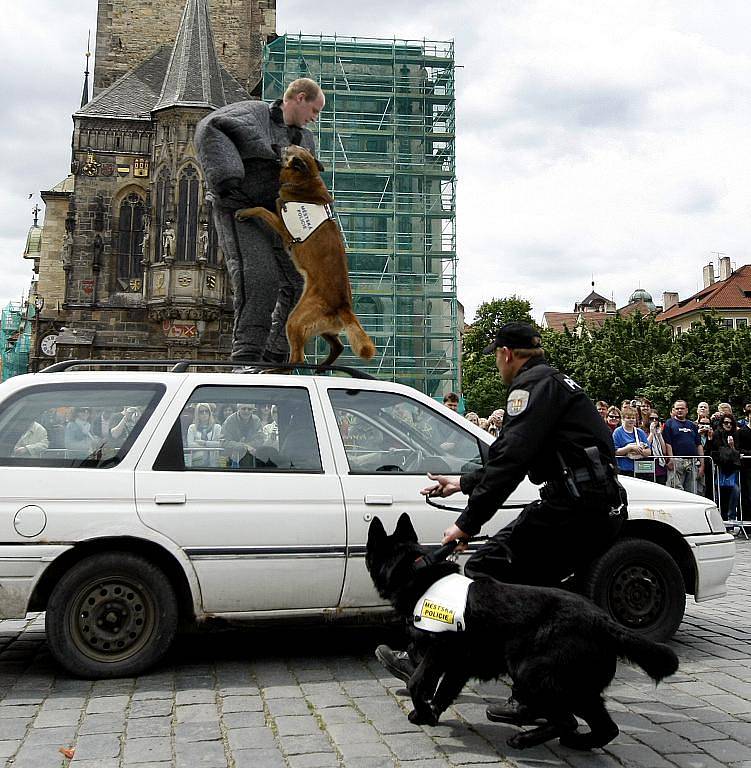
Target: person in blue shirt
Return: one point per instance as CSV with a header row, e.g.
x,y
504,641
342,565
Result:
x,y
683,442
630,442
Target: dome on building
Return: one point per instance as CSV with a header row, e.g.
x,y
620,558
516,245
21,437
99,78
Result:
x,y
33,243
641,295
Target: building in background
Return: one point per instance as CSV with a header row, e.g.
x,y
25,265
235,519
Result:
x,y
727,295
387,140
592,312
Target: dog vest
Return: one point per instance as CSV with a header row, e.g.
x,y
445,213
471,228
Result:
x,y
441,608
303,219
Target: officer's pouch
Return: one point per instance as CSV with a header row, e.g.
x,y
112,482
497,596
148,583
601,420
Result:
x,y
594,479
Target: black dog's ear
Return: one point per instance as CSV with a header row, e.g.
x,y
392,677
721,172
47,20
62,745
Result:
x,y
299,164
320,166
376,533
404,529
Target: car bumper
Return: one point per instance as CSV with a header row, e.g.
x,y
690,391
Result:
x,y
715,557
21,567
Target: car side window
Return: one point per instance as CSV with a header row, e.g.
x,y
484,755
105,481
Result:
x,y
243,429
389,432
74,425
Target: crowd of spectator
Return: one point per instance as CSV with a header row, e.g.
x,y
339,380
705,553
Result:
x,y
708,453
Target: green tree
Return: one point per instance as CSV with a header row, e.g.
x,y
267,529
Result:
x,y
483,389
626,357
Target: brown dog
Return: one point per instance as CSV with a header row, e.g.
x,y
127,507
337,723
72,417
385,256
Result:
x,y
309,232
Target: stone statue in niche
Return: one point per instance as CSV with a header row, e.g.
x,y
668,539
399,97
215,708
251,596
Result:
x,y
203,243
169,242
146,242
98,248
66,252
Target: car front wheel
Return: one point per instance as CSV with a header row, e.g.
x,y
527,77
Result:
x,y
111,615
639,584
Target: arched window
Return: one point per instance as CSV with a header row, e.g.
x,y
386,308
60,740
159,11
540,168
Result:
x,y
187,214
160,210
130,237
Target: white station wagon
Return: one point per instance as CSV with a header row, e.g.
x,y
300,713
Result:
x,y
134,501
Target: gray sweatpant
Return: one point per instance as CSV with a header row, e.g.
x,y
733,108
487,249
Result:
x,y
265,286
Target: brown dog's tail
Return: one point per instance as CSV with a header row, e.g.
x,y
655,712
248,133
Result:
x,y
362,345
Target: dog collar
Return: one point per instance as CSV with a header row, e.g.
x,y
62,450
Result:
x,y
442,607
303,219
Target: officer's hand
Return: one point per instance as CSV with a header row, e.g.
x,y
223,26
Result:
x,y
445,486
452,533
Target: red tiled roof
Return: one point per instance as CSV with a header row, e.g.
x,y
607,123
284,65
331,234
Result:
x,y
725,294
637,306
556,321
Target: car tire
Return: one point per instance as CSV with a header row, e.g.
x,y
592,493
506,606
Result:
x,y
111,615
640,586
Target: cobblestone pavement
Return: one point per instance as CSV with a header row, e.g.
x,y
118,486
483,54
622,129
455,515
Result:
x,y
315,697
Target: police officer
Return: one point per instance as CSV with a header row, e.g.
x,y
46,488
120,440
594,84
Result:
x,y
553,433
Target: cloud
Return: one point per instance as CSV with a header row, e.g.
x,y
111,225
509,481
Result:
x,y
594,137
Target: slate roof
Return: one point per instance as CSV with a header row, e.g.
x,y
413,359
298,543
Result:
x,y
187,73
135,94
194,76
593,298
732,293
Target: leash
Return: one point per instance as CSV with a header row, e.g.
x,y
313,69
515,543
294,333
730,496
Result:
x,y
447,508
446,550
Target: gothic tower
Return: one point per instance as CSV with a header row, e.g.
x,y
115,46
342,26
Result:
x,y
130,265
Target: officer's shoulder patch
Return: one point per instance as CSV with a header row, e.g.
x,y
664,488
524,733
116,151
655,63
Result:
x,y
517,402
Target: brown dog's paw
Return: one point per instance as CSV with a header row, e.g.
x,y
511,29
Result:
x,y
243,214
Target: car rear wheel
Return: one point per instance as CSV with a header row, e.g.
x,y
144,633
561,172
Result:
x,y
111,615
639,584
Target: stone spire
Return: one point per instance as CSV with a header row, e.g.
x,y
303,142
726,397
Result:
x,y
85,94
194,77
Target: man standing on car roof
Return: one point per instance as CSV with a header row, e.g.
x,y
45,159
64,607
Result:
x,y
240,148
553,433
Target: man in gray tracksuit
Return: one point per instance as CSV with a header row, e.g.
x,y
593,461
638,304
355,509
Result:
x,y
240,147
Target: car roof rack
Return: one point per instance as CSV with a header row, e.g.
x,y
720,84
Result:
x,y
181,366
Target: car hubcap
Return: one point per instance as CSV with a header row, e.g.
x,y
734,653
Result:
x,y
112,619
637,596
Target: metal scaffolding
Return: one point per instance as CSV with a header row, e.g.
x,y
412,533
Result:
x,y
387,140
15,339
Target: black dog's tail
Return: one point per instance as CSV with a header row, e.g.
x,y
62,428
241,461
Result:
x,y
656,659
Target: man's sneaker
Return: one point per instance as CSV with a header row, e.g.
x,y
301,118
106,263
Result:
x,y
396,662
511,711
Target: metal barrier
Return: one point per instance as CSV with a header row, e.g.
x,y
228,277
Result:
x,y
727,491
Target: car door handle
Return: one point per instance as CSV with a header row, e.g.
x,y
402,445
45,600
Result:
x,y
169,498
382,501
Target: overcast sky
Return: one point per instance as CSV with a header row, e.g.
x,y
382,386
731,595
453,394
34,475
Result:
x,y
594,138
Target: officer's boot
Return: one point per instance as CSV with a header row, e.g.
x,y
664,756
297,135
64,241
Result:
x,y
396,662
511,711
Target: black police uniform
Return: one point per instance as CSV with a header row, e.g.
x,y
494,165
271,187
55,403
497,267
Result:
x,y
549,425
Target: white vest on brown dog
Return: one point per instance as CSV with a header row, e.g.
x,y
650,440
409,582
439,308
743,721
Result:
x,y
303,219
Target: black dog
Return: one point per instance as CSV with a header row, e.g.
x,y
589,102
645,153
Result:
x,y
559,649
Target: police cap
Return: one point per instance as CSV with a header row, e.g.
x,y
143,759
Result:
x,y
515,336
